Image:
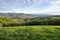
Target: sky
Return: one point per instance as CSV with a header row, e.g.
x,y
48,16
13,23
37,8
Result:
x,y
30,6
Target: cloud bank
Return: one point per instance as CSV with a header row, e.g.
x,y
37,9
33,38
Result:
x,y
30,5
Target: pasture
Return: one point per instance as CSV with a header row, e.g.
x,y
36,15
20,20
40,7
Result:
x,y
30,33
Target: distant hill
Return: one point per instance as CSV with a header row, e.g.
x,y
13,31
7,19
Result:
x,y
22,15
56,16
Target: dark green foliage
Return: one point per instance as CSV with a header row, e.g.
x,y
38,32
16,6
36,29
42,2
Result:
x,y
37,21
15,19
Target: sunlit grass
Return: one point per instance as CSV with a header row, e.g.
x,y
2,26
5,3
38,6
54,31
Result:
x,y
30,33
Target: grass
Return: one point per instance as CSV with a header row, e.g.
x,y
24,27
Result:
x,y
30,33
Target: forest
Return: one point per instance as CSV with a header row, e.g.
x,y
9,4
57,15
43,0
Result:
x,y
18,21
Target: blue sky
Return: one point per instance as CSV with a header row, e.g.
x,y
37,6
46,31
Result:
x,y
30,6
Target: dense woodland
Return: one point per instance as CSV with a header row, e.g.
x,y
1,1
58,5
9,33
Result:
x,y
19,20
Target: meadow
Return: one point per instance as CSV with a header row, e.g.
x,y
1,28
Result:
x,y
30,33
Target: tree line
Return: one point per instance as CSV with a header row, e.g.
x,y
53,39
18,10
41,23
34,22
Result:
x,y
33,21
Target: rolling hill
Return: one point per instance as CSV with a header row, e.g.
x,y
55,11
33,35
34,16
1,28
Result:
x,y
22,15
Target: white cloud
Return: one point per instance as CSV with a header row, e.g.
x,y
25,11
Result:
x,y
19,3
54,6
15,7
55,2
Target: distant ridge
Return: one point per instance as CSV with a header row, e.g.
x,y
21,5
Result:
x,y
22,15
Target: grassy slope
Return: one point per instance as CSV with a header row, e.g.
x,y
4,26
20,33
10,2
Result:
x,y
30,33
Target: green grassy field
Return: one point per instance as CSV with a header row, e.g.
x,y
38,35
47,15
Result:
x,y
30,33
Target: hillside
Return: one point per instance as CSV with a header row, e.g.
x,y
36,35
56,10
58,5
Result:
x,y
22,15
56,16
16,19
30,33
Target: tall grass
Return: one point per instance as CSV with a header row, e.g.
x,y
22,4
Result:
x,y
30,33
